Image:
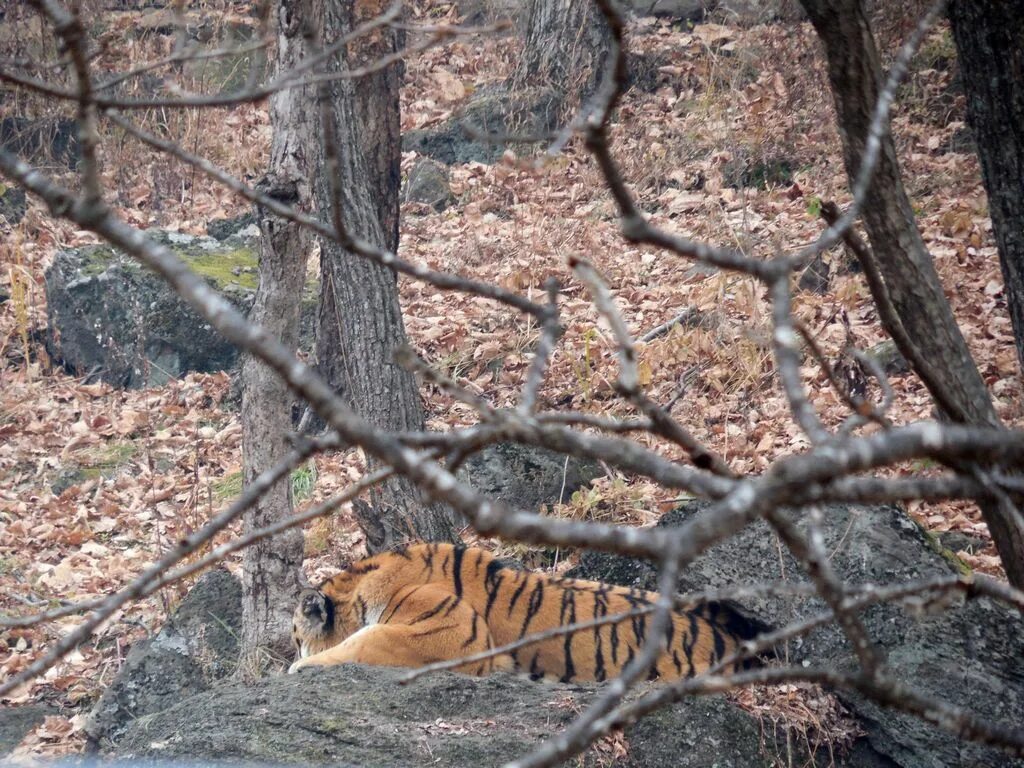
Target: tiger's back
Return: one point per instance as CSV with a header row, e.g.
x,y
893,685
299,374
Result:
x,y
434,602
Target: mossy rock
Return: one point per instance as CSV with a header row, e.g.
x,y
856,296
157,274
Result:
x,y
113,319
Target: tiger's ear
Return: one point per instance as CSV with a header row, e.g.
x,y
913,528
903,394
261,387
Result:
x,y
317,608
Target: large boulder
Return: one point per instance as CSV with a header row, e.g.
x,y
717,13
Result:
x,y
47,141
969,656
525,476
682,10
357,715
197,647
428,184
113,319
493,112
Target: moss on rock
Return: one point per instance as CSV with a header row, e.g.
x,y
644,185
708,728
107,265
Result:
x,y
110,316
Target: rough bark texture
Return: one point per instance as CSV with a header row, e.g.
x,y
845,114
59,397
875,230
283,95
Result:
x,y
272,576
989,38
360,316
567,43
906,266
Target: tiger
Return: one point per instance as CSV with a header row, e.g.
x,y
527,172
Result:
x,y
431,602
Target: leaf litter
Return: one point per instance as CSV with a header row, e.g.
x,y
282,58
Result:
x,y
96,483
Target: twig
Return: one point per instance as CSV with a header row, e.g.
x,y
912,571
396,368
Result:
x,y
551,331
891,318
787,360
662,422
873,145
575,737
859,406
250,495
681,319
443,280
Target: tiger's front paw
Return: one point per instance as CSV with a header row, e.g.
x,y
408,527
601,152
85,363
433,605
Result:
x,y
296,666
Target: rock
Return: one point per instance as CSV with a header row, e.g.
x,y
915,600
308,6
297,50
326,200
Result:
x,y
815,278
683,10
428,184
112,318
525,476
530,111
760,174
42,141
890,358
644,70
958,541
222,229
478,12
228,73
962,140
748,13
16,722
13,204
360,715
67,477
968,656
700,270
198,646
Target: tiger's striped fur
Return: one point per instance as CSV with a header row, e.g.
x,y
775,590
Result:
x,y
434,602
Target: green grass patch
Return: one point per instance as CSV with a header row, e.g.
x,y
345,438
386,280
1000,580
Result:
x,y
303,482
107,459
228,487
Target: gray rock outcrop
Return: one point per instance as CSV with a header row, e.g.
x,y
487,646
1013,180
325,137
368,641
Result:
x,y
112,319
197,647
428,184
969,656
357,715
494,113
47,141
525,476
354,715
682,10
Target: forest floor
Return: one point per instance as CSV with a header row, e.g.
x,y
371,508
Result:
x,y
96,483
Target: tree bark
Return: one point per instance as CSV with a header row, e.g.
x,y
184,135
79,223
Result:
x,y
567,45
910,278
989,37
271,567
360,319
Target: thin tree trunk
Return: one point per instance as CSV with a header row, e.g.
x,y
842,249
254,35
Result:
x,y
360,319
989,38
567,44
271,567
903,260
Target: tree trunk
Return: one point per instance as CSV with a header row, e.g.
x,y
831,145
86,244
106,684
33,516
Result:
x,y
989,38
567,46
360,319
906,266
271,567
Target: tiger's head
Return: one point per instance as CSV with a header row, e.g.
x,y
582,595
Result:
x,y
317,623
